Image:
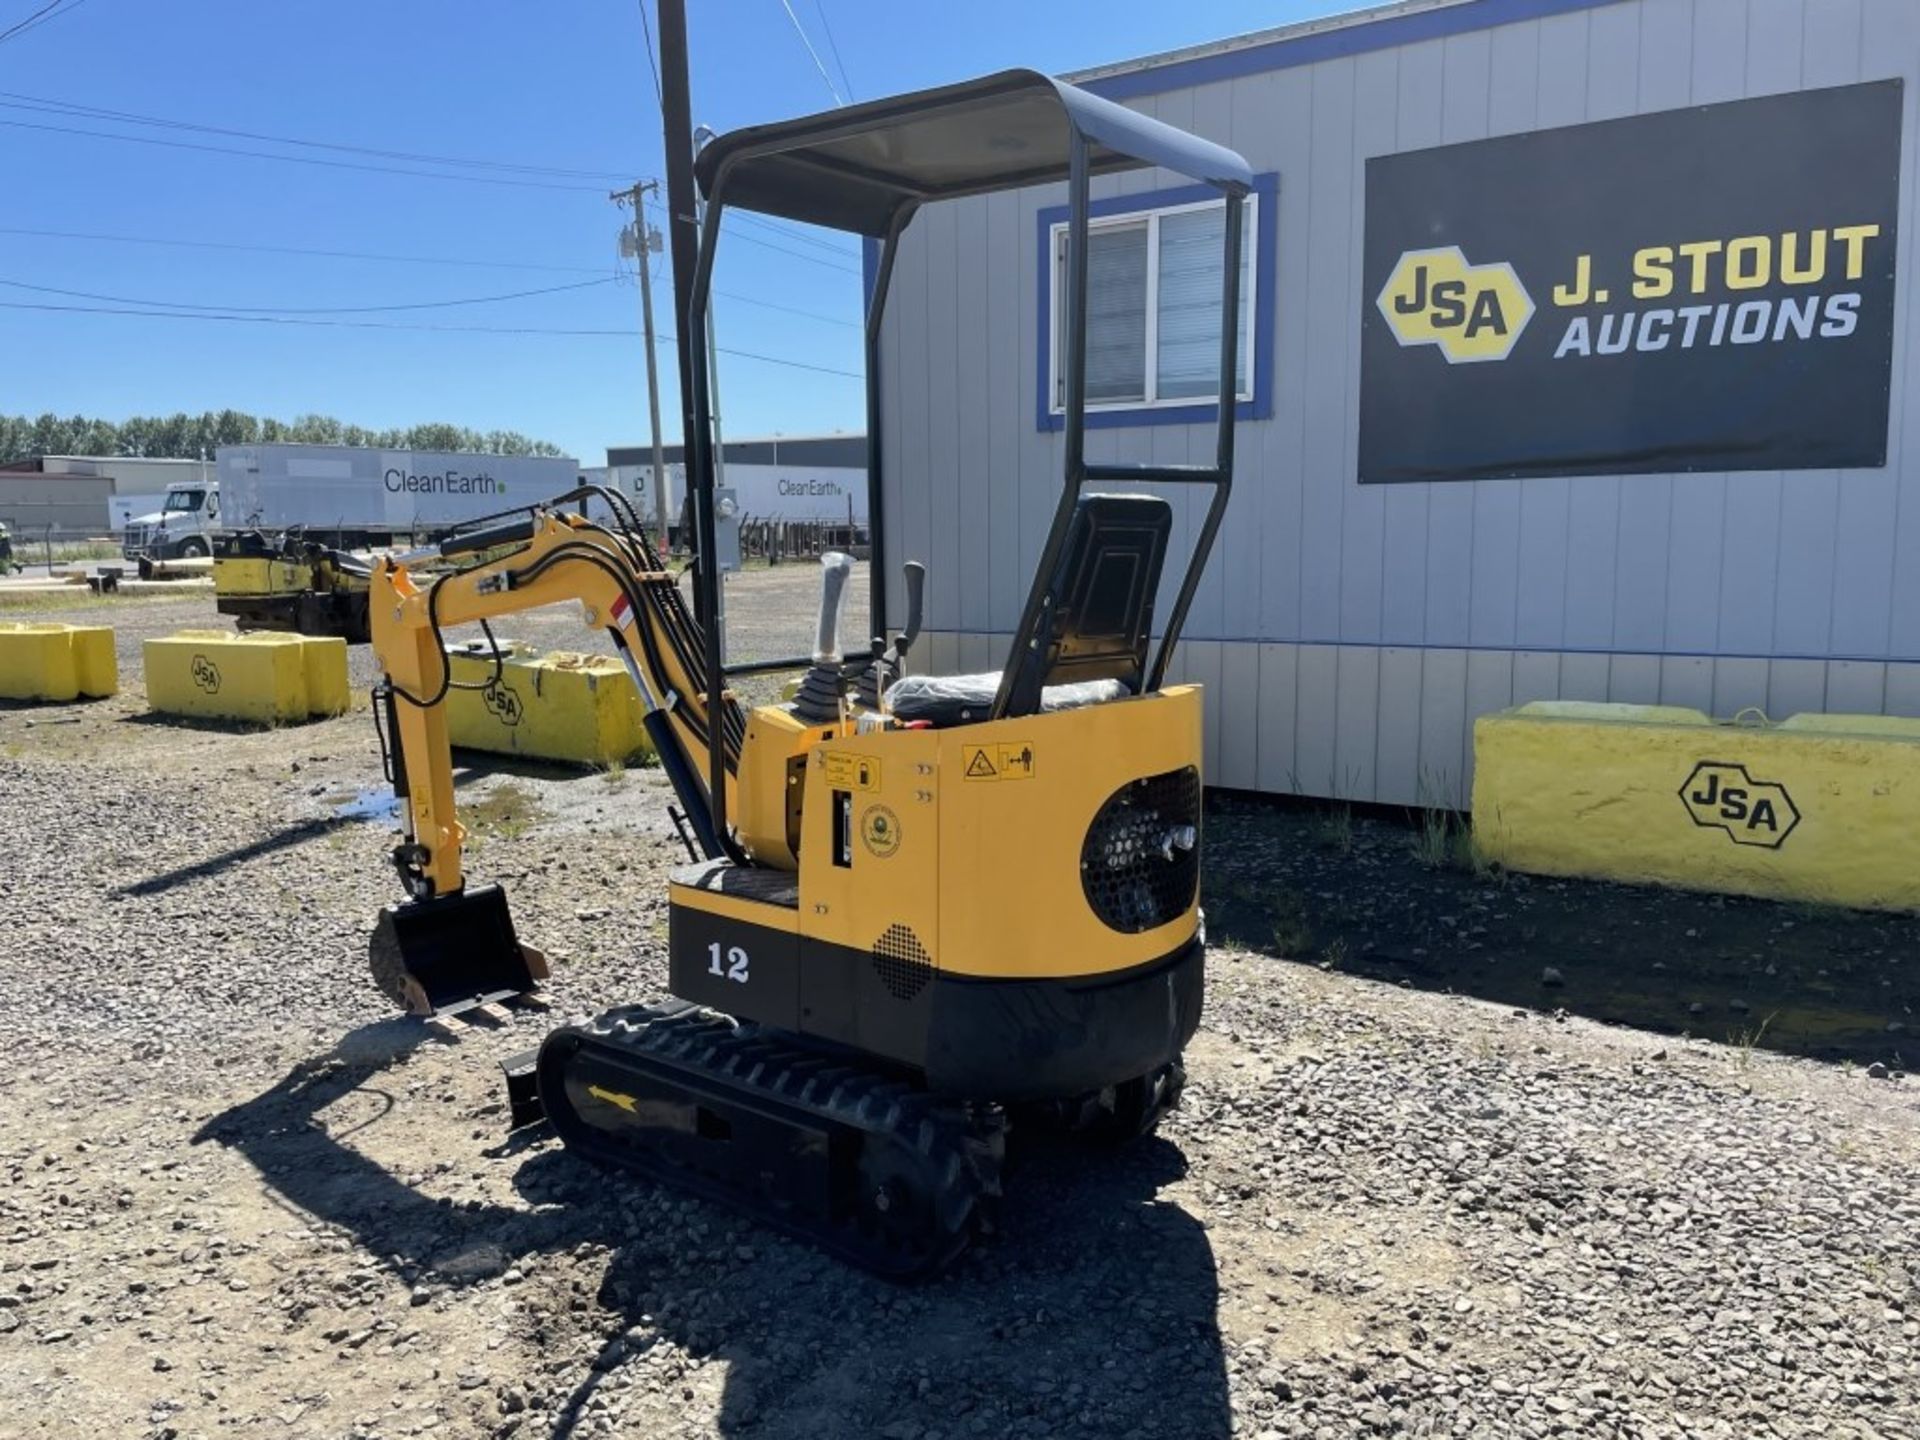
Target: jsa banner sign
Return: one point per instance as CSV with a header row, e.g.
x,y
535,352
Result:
x,y
1703,289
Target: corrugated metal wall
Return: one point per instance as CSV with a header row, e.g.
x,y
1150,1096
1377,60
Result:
x,y
1349,634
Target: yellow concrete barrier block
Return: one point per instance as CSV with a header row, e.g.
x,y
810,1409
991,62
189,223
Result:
x,y
580,709
96,666
1823,808
265,678
325,659
56,662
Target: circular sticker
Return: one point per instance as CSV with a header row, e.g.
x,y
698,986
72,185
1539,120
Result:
x,y
880,831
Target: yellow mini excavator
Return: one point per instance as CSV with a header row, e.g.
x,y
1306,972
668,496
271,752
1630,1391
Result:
x,y
914,905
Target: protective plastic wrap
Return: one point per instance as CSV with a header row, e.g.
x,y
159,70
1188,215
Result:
x,y
959,699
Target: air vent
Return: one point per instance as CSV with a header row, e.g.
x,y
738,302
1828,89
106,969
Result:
x,y
1140,863
902,963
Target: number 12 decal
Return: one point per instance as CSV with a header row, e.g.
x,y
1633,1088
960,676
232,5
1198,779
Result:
x,y
734,966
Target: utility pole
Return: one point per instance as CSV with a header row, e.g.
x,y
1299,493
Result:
x,y
701,135
641,241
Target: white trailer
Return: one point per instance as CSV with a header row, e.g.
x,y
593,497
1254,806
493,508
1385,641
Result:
x,y
344,487
832,494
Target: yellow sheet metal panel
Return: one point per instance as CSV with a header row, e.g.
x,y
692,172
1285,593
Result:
x,y
966,842
217,675
871,877
771,773
733,907
325,659
255,575
579,709
1821,808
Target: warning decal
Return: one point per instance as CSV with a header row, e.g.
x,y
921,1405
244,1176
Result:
x,y
999,762
850,772
627,1103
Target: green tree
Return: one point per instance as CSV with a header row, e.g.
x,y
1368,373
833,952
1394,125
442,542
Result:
x,y
187,437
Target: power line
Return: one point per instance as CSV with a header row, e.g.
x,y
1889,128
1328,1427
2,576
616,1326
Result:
x,y
299,159
299,250
438,260
782,249
797,254
620,334
790,309
309,309
40,17
14,100
13,30
749,218
646,30
801,31
765,222
826,25
774,305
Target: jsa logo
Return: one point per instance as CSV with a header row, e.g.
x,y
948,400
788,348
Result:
x,y
1725,797
1471,312
503,701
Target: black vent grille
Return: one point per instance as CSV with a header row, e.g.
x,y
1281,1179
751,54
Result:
x,y
901,962
1140,865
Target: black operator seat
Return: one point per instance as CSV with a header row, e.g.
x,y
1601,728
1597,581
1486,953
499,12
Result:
x,y
1090,643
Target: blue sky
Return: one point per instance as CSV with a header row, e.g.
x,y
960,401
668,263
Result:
x,y
559,84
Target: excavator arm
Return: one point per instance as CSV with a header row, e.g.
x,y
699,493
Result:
x,y
450,947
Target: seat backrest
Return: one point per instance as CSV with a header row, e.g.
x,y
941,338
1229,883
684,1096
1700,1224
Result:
x,y
1098,619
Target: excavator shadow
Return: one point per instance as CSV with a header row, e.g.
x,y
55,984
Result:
x,y
287,837
1093,1308
301,832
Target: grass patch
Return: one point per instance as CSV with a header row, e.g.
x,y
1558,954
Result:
x,y
1292,933
1434,842
1336,828
1746,1038
507,811
29,549
79,597
1444,839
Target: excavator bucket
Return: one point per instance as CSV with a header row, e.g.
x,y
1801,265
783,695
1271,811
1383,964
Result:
x,y
452,953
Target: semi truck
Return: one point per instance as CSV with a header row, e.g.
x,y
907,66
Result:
x,y
183,528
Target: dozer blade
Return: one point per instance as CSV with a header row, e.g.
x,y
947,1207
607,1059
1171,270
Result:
x,y
452,953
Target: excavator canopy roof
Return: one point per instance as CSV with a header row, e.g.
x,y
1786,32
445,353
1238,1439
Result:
x,y
858,167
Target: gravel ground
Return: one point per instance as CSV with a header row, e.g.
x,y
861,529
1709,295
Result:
x,y
242,1201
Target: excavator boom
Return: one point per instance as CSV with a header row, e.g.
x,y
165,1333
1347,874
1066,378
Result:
x,y
450,947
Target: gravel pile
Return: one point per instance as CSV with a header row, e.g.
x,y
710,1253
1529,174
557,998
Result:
x,y
241,1200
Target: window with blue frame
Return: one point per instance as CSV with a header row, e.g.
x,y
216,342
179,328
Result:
x,y
1153,307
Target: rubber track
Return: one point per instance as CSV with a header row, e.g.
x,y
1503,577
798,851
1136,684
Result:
x,y
958,1148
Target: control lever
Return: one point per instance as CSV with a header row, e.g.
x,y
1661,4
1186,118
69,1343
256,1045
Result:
x,y
837,568
818,701
916,577
884,666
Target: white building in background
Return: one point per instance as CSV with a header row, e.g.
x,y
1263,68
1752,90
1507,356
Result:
x,y
89,494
